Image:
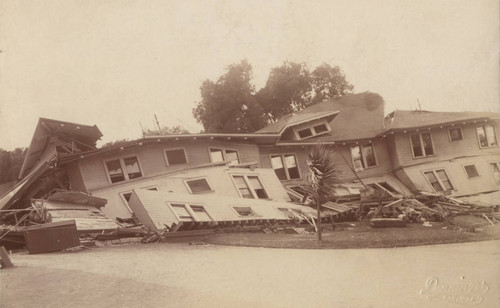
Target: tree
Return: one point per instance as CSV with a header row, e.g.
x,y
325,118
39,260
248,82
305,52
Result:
x,y
329,82
229,104
10,164
322,178
291,87
288,89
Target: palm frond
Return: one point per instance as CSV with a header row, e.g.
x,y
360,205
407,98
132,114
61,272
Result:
x,y
323,175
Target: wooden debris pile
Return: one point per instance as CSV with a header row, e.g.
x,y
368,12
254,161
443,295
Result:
x,y
432,207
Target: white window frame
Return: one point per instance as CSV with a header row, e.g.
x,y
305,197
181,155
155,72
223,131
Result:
x,y
283,161
363,159
122,166
252,190
254,213
485,134
189,209
190,206
434,171
311,129
223,153
449,134
467,174
198,178
497,163
422,145
173,149
186,206
122,195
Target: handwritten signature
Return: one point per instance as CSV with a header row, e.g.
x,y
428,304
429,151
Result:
x,y
462,292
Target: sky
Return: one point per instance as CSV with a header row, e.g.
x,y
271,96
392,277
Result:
x,y
116,64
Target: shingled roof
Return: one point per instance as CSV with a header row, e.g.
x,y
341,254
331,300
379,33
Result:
x,y
407,119
360,116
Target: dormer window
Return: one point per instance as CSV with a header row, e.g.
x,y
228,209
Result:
x,y
312,131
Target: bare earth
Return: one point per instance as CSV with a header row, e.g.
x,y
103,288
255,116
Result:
x,y
182,275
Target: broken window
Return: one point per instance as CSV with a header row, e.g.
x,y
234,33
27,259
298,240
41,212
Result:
x,y
421,145
455,133
198,185
285,166
219,155
471,171
250,187
115,171
439,180
175,157
486,136
116,167
132,167
244,211
363,156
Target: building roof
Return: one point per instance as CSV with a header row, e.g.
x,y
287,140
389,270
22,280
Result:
x,y
407,119
82,136
360,116
295,119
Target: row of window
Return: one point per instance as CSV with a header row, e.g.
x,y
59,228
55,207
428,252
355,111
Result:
x,y
285,165
249,186
196,212
440,181
421,143
128,168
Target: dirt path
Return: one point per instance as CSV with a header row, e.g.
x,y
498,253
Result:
x,y
180,275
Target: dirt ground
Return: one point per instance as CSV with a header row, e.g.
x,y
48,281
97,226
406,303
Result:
x,y
183,275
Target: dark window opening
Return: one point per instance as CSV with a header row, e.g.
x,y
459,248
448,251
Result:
x,y
198,186
455,134
304,133
471,171
244,211
318,129
176,157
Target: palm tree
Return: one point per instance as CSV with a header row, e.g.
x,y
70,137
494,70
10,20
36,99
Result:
x,y
322,178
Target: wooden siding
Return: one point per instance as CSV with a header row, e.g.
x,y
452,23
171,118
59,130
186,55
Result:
x,y
457,175
154,212
345,173
443,147
152,159
219,179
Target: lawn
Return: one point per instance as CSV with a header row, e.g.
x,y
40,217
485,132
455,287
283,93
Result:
x,y
361,235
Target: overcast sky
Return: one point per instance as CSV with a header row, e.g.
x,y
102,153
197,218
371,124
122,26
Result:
x,y
116,63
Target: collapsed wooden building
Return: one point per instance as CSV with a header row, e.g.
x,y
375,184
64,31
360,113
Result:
x,y
185,181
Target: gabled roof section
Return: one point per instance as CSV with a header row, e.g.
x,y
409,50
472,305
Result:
x,y
295,119
407,119
53,135
360,116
